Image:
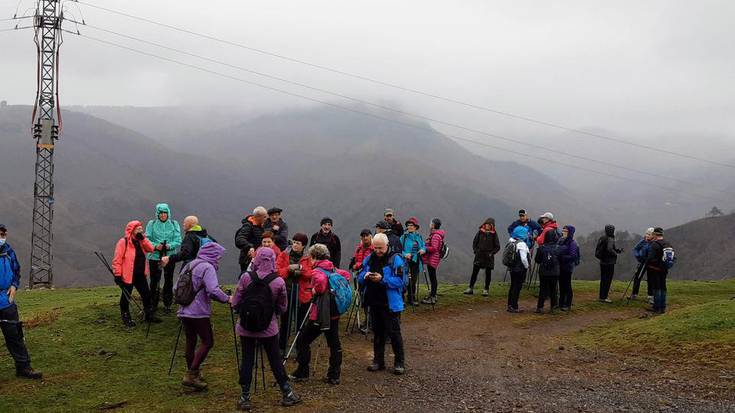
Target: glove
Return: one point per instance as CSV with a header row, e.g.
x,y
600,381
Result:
x,y
118,281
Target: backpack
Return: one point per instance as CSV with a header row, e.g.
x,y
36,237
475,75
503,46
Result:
x,y
600,248
510,253
549,257
256,306
340,289
203,241
184,293
444,252
668,257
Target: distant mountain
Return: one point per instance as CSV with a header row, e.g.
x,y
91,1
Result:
x,y
703,249
312,163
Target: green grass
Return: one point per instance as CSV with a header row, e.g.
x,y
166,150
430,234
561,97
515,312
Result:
x,y
75,337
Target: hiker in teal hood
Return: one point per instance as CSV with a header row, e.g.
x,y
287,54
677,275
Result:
x,y
165,235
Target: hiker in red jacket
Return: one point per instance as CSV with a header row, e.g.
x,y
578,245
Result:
x,y
547,223
294,266
319,317
432,258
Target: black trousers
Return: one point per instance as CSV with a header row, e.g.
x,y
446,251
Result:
x,y
168,283
488,276
270,348
413,281
312,332
565,289
548,290
517,278
640,273
386,324
607,273
140,284
287,324
13,333
432,280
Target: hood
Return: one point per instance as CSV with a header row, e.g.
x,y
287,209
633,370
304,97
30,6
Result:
x,y
264,262
610,230
520,233
130,227
211,252
490,221
163,208
571,230
325,265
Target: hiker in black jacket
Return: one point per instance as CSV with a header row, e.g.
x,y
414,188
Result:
x,y
485,245
191,243
249,237
548,260
657,270
278,227
330,239
607,252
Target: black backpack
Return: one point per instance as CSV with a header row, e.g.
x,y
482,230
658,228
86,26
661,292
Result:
x,y
256,306
184,293
550,258
510,253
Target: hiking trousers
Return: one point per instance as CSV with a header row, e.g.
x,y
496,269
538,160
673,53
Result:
x,y
193,328
310,333
517,278
288,325
140,284
565,289
475,271
413,271
548,290
386,324
432,280
658,280
168,283
13,333
269,346
607,273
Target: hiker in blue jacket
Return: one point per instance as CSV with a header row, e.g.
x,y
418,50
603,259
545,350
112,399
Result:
x,y
165,235
382,278
10,322
534,229
413,247
640,252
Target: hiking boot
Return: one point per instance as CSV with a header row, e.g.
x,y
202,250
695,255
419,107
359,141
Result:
x,y
290,397
513,310
399,370
650,299
539,310
298,376
564,309
332,381
127,321
606,300
469,291
191,379
485,293
429,300
633,297
376,367
28,373
243,403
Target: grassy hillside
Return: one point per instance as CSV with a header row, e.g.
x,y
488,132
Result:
x,y
89,360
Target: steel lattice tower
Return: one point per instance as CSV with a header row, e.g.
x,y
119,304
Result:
x,y
45,132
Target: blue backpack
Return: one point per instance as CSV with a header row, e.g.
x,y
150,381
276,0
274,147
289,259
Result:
x,y
341,291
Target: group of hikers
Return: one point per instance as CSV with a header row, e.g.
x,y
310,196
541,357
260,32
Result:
x,y
296,283
556,256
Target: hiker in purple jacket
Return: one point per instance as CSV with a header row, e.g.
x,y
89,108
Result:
x,y
195,317
263,265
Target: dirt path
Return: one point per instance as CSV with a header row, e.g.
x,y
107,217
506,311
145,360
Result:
x,y
481,358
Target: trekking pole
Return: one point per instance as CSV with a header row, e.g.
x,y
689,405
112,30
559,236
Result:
x,y
259,363
505,276
125,292
234,334
352,311
298,333
176,346
638,273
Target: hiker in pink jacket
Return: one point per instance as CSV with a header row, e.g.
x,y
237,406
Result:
x,y
433,257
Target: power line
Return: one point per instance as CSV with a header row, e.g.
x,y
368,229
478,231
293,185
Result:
x,y
413,90
353,110
401,112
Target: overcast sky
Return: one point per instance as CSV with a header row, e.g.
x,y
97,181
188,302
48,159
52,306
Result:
x,y
637,68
